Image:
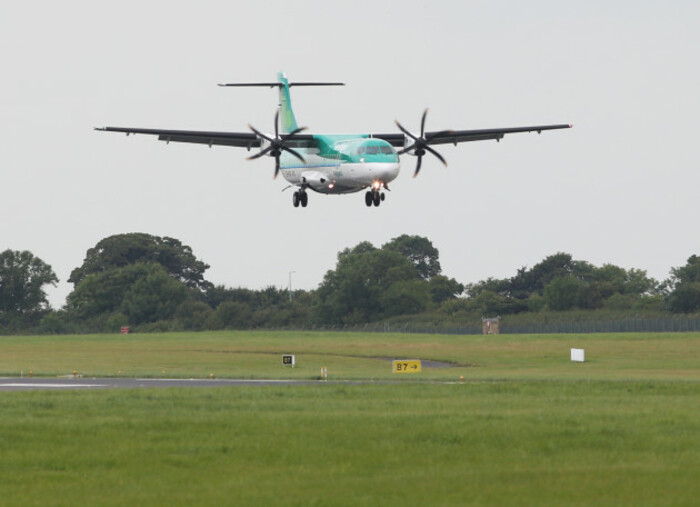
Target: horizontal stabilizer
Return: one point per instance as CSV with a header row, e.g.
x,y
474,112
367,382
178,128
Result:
x,y
273,85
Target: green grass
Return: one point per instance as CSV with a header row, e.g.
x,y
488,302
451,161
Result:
x,y
527,427
247,354
497,443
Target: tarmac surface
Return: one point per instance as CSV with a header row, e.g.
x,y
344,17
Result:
x,y
34,383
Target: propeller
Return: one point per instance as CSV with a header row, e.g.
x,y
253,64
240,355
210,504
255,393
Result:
x,y
277,144
421,144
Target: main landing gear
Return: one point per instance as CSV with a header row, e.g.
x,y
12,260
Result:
x,y
300,197
374,197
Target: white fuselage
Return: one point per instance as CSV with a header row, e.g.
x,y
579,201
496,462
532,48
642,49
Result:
x,y
341,178
345,171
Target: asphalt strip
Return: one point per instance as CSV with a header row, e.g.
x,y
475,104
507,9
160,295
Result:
x,y
29,383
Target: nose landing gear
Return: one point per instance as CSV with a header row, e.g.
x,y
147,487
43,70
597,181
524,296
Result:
x,y
300,197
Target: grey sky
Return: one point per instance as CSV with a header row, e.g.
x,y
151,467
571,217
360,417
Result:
x,y
621,187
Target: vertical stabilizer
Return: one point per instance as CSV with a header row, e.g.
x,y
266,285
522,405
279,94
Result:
x,y
287,120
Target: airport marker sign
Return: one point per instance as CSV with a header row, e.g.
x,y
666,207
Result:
x,y
406,366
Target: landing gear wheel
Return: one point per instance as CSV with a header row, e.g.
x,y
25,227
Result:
x,y
295,199
368,199
382,196
376,199
304,198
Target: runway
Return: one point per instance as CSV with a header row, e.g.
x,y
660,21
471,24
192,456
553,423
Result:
x,y
26,384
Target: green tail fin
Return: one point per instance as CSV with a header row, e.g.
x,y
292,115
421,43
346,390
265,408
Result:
x,y
288,122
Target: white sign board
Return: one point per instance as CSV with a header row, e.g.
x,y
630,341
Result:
x,y
577,355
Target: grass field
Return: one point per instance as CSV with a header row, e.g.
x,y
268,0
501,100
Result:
x,y
258,354
526,427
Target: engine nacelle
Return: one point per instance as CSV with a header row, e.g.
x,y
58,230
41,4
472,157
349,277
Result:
x,y
407,141
316,180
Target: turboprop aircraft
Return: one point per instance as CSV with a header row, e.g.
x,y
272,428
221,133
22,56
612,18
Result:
x,y
331,163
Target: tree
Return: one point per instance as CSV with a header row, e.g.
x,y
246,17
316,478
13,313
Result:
x,y
443,288
529,281
353,292
420,251
142,292
589,296
153,297
689,273
405,297
232,315
124,249
592,285
493,304
685,283
491,284
194,315
22,280
685,298
562,293
614,279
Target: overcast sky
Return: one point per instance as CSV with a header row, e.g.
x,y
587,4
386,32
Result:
x,y
621,187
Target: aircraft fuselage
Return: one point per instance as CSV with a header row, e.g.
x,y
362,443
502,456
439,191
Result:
x,y
342,164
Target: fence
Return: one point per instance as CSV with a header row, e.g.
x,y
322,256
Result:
x,y
609,326
631,325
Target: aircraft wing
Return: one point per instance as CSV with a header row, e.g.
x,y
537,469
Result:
x,y
238,139
463,136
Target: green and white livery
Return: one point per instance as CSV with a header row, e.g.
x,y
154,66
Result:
x,y
331,163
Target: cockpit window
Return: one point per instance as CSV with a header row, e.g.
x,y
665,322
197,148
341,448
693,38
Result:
x,y
374,150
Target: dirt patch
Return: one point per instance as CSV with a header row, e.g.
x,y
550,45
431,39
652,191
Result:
x,y
425,363
429,363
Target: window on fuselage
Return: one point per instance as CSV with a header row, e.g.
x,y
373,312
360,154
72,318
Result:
x,y
372,150
387,149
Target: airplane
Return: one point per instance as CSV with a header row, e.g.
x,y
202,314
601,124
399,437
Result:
x,y
331,163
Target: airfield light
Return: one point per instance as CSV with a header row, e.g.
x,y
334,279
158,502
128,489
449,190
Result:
x,y
290,285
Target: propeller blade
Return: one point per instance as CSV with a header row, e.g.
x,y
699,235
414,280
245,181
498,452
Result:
x,y
421,144
401,127
277,144
260,154
418,163
258,133
405,150
428,148
295,132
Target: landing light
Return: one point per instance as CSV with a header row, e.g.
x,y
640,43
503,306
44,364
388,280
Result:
x,y
376,185
331,185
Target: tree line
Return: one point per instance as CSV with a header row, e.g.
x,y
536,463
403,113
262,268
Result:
x,y
153,283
